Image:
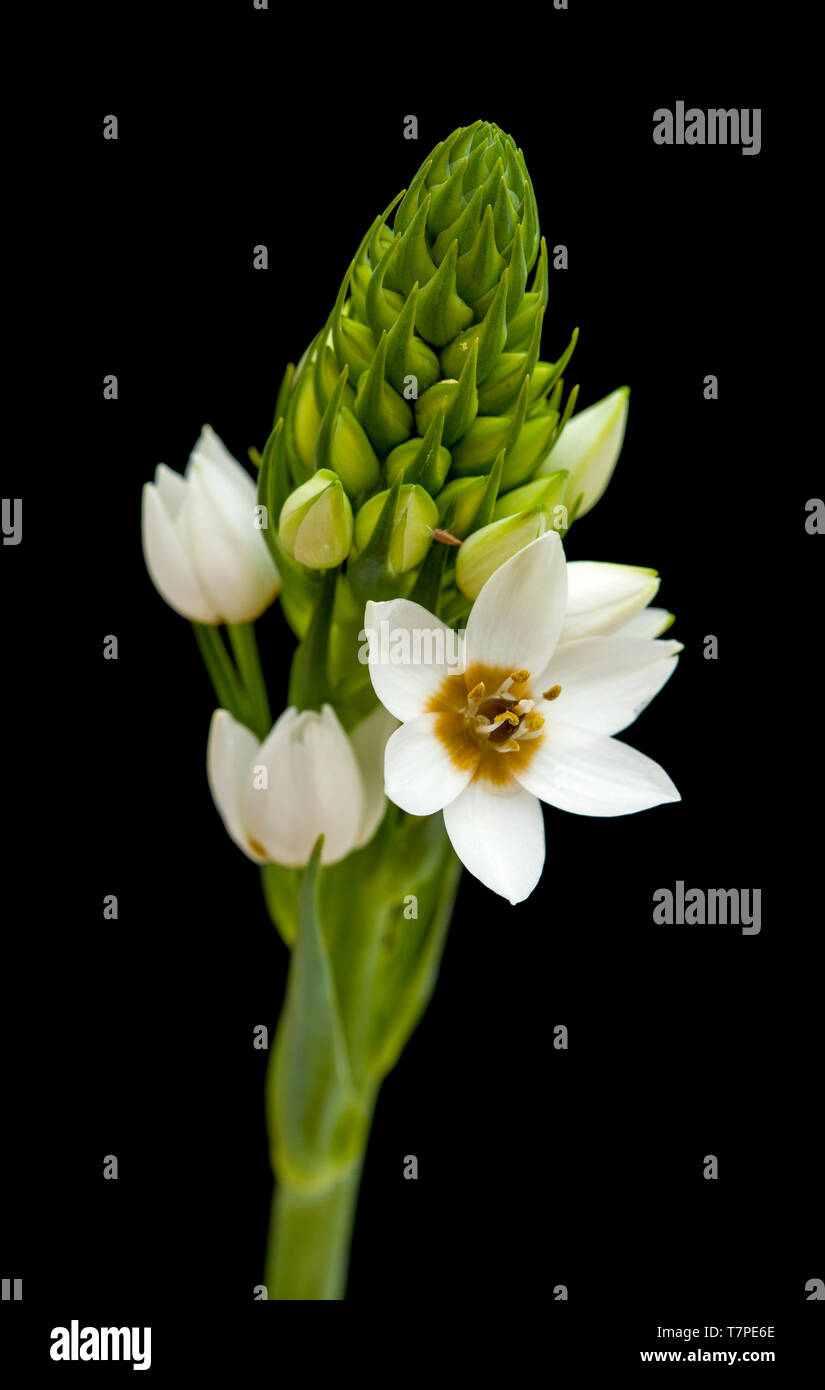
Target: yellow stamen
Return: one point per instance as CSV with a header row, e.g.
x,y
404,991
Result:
x,y
519,677
511,746
508,715
553,693
478,692
534,722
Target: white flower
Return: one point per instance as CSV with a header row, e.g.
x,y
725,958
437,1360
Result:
x,y
308,778
525,717
202,548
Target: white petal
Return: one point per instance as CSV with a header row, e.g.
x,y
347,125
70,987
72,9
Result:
x,y
419,774
369,740
172,489
651,622
210,446
230,753
499,838
410,653
170,564
589,447
229,552
592,775
601,598
516,620
313,787
606,682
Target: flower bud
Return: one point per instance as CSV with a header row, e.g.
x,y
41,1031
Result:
x,y
467,494
588,448
483,551
202,547
315,526
542,492
416,516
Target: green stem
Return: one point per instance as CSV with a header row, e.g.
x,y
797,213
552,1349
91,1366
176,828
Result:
x,y
309,1239
222,673
245,649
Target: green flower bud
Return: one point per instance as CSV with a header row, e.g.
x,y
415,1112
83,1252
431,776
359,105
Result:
x,y
467,494
343,447
483,551
542,492
315,525
423,461
588,448
416,517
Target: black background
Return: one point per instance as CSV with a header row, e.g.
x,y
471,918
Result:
x,y
537,1167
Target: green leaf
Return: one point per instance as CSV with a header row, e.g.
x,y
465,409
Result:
x,y
316,1119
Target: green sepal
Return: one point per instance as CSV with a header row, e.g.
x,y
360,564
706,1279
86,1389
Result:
x,y
313,1105
541,492
409,203
501,388
503,215
368,572
490,334
383,306
303,418
447,202
467,495
407,354
486,509
476,452
459,397
384,414
423,461
526,453
284,390
464,230
412,262
441,312
343,445
354,342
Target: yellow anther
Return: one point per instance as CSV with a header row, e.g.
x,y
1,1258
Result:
x,y
511,746
553,693
519,677
534,722
508,715
478,692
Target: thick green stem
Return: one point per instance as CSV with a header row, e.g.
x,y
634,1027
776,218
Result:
x,y
245,649
309,1239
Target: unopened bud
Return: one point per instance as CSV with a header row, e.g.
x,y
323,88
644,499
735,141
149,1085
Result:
x,y
588,448
416,516
483,551
467,494
542,492
315,526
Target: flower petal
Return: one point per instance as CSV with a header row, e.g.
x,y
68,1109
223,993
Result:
x,y
170,564
312,786
606,682
601,598
651,622
229,552
420,776
592,775
500,838
516,620
369,740
230,753
410,653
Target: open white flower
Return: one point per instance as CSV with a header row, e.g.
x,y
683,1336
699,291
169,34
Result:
x,y
524,717
308,778
203,551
